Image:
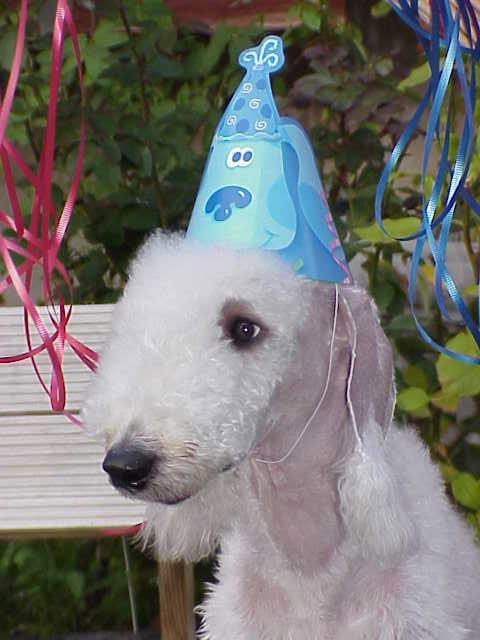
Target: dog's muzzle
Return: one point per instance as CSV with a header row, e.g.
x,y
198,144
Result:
x,y
128,467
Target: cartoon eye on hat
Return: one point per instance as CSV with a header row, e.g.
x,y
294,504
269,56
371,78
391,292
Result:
x,y
239,157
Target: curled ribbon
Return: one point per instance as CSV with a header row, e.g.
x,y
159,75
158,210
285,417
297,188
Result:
x,y
44,235
460,36
39,243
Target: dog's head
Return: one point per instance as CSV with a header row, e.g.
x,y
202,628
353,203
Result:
x,y
203,344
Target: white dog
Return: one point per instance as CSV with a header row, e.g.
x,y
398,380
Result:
x,y
251,409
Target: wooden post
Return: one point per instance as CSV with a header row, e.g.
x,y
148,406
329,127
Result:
x,y
176,591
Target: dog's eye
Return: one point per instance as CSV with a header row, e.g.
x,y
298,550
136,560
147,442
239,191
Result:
x,y
244,331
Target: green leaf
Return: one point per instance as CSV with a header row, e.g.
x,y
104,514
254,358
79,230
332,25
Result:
x,y
202,63
109,34
104,179
471,290
7,48
340,98
466,490
396,227
163,109
294,11
146,155
448,472
310,84
459,378
96,61
165,67
422,412
380,9
153,9
93,269
415,377
140,218
384,67
420,75
383,292
76,583
402,324
412,399
311,17
17,132
445,401
22,557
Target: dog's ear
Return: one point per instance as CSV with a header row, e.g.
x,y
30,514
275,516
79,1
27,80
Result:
x,y
343,350
371,388
372,500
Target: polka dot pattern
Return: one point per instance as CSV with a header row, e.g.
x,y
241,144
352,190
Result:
x,y
266,111
252,108
242,125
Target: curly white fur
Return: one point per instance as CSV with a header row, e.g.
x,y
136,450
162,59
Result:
x,y
345,538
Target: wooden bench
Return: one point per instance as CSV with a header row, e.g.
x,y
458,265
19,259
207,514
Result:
x,y
51,481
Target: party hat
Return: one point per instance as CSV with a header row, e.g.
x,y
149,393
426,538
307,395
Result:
x,y
261,187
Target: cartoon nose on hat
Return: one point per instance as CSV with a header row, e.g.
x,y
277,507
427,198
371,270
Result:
x,y
129,467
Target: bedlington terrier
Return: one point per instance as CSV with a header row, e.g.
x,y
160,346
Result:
x,y
251,409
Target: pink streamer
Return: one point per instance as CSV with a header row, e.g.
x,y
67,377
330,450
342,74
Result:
x,y
39,244
43,238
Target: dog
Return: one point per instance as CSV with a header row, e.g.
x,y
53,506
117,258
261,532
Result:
x,y
252,410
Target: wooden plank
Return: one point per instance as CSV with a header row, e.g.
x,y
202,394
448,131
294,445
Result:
x,y
20,391
51,480
176,586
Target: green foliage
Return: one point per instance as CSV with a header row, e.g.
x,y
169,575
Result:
x,y
412,399
155,92
419,75
380,9
459,379
397,228
48,587
466,490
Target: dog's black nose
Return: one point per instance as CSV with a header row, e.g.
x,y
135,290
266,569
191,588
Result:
x,y
129,467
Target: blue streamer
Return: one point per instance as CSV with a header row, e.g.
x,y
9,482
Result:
x,y
444,32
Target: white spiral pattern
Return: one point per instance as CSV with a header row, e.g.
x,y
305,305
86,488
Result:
x,y
269,53
254,103
231,120
260,125
247,87
250,55
272,59
266,52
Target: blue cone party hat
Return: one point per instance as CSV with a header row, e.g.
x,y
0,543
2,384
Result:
x,y
261,187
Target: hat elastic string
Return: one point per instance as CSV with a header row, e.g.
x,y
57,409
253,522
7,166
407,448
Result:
x,y
351,369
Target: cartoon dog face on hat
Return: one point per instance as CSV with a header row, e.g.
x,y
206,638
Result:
x,y
242,178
